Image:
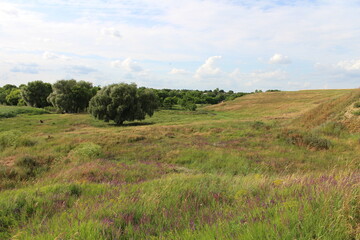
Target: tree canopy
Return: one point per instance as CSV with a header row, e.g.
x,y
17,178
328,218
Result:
x,y
35,94
123,102
71,96
13,97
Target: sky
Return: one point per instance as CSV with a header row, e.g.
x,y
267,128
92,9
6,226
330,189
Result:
x,y
239,45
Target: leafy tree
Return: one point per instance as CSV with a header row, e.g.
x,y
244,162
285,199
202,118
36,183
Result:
x,y
2,96
71,96
123,102
35,93
9,87
13,97
4,91
169,102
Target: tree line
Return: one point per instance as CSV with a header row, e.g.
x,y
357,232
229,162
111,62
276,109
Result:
x,y
117,102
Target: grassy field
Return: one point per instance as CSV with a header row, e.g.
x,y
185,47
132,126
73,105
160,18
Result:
x,y
282,165
11,111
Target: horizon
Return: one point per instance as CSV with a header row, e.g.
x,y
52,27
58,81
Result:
x,y
232,45
194,89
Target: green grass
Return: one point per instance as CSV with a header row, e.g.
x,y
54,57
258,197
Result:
x,y
243,170
10,112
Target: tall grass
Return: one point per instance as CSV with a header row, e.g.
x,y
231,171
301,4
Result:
x,y
244,171
10,112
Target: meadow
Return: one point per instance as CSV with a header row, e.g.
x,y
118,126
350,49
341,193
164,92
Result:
x,y
275,165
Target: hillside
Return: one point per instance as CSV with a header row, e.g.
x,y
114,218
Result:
x,y
281,165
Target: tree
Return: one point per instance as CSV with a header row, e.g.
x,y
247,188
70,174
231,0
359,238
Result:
x,y
123,102
188,102
4,91
2,96
71,96
169,102
13,97
35,94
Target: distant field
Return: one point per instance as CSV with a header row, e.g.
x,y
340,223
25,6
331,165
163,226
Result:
x,y
283,165
11,111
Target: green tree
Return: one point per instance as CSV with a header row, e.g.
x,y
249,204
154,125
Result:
x,y
4,91
188,102
35,94
169,102
13,97
71,96
2,96
123,102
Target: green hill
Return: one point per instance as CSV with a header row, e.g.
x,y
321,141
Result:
x,y
276,165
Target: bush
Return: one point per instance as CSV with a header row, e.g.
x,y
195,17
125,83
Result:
x,y
87,150
332,129
315,142
14,138
29,165
357,105
9,138
257,125
308,140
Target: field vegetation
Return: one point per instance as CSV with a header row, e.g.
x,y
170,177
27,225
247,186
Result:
x,y
272,165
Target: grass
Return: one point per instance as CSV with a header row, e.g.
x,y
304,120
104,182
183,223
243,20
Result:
x,y
10,111
239,170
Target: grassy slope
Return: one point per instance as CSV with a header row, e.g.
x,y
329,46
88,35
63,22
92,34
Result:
x,y
246,169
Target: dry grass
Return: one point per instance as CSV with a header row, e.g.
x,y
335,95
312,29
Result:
x,y
337,109
278,105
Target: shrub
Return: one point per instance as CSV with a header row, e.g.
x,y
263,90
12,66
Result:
x,y
29,165
75,190
14,138
9,138
87,150
332,128
257,125
309,140
357,105
315,142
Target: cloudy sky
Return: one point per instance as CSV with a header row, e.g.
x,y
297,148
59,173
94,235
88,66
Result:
x,y
241,45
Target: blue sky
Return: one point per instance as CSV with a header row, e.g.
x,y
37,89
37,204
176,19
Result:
x,y
241,45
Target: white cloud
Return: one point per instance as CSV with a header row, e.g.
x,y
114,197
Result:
x,y
129,65
28,68
209,68
52,56
279,59
111,32
182,33
252,78
350,65
177,71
